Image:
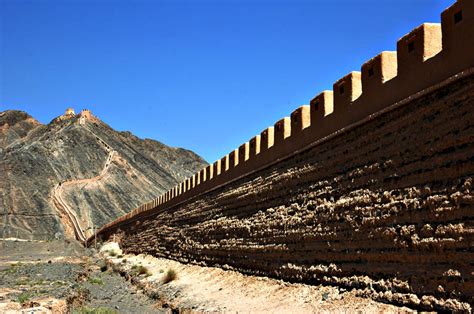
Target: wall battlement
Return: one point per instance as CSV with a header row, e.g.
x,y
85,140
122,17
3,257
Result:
x,y
426,58
86,113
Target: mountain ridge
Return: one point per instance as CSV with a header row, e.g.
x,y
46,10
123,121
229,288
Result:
x,y
98,172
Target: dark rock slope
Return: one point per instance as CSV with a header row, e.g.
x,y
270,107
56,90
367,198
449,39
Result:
x,y
97,172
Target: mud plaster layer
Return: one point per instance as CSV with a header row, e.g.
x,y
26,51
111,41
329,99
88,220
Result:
x,y
386,208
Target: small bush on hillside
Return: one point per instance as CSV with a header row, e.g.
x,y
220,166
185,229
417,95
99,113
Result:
x,y
169,276
142,270
24,297
96,280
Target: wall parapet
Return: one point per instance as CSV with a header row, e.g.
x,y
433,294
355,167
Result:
x,y
426,56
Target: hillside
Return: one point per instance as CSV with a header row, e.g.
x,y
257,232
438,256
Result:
x,y
78,168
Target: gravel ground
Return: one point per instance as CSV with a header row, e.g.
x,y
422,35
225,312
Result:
x,y
54,279
110,290
14,251
64,277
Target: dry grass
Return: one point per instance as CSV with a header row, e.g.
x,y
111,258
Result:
x,y
169,276
141,270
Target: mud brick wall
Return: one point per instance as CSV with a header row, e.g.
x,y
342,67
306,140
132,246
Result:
x,y
386,208
369,187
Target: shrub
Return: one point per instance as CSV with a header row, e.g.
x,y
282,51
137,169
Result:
x,y
142,270
24,297
169,276
96,280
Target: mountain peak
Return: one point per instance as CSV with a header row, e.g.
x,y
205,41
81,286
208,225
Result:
x,y
10,118
15,125
79,164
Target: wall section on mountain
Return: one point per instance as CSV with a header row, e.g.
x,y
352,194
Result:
x,y
34,158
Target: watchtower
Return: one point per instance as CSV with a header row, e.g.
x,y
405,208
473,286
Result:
x,y
69,112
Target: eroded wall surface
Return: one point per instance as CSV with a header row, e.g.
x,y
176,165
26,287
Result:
x,y
386,207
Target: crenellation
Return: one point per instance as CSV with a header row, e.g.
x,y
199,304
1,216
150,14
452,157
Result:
x,y
191,182
86,113
321,106
225,163
267,138
203,175
421,44
300,120
345,91
210,171
244,152
456,23
378,70
197,179
184,186
233,158
173,192
282,130
217,167
254,146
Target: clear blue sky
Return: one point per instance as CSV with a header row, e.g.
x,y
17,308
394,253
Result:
x,y
204,75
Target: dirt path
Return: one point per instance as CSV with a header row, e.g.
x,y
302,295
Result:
x,y
209,289
72,223
71,215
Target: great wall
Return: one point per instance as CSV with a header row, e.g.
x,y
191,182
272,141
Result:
x,y
369,187
71,222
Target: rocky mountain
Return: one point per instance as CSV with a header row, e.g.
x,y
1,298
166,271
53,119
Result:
x,y
76,173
